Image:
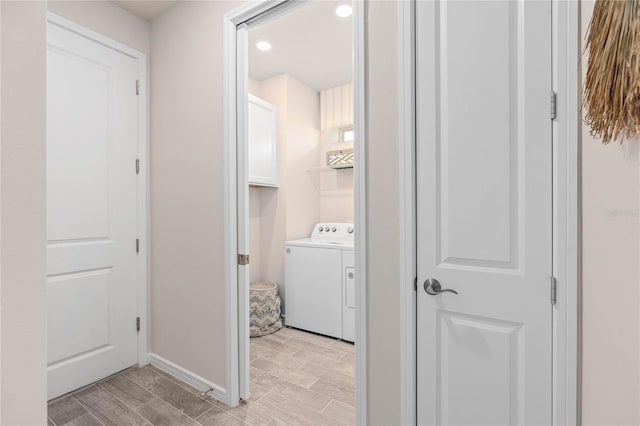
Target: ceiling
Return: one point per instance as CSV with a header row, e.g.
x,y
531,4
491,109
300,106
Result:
x,y
147,10
309,43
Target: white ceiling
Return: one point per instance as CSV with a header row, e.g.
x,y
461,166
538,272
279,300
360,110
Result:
x,y
147,10
309,43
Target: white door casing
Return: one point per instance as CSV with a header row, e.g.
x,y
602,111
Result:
x,y
242,197
484,212
92,146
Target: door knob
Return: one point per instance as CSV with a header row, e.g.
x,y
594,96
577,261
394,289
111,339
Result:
x,y
433,287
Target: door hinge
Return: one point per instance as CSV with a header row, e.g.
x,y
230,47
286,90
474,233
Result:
x,y
137,166
554,290
415,284
137,87
138,324
553,105
137,245
243,259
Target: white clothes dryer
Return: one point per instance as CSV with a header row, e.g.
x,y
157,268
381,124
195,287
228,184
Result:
x,y
320,281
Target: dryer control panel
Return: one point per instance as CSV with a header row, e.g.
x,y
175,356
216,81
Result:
x,y
339,232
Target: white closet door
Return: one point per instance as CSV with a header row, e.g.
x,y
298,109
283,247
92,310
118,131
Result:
x,y
484,215
92,127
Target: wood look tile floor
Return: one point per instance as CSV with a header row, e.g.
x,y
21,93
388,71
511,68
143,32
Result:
x,y
297,378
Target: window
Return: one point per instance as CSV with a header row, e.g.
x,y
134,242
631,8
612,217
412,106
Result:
x,y
346,134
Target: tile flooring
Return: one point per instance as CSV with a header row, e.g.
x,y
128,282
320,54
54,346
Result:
x,y
297,378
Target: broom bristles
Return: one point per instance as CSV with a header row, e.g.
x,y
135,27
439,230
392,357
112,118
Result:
x,y
612,86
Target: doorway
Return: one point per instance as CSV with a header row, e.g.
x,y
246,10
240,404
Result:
x,y
96,207
241,252
450,327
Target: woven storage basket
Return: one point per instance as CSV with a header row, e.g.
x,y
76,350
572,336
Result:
x,y
264,309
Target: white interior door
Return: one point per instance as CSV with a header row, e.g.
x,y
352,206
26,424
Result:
x,y
484,197
92,136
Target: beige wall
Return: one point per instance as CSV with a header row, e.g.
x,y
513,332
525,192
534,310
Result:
x,y
303,142
107,19
383,245
187,188
611,278
23,307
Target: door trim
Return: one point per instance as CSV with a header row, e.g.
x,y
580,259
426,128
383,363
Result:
x,y
232,20
566,212
142,287
566,71
408,209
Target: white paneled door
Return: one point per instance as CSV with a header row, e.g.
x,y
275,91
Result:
x,y
92,134
484,199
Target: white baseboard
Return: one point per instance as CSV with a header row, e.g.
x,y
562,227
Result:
x,y
190,378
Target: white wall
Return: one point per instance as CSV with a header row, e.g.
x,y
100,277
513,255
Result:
x,y
23,307
187,188
610,277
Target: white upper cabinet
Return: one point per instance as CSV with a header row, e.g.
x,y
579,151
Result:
x,y
263,142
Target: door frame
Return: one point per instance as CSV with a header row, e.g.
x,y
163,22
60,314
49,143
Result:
x,y
142,189
566,80
251,10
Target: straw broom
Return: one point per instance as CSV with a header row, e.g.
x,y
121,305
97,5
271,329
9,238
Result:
x,y
612,86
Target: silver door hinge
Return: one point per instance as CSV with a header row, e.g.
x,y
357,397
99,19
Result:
x,y
243,259
137,87
137,166
137,245
553,105
138,324
554,290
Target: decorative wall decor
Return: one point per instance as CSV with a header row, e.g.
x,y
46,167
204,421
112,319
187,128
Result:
x,y
612,86
340,158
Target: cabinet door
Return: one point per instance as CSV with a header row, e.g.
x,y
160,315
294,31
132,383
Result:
x,y
263,142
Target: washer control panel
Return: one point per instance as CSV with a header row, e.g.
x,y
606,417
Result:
x,y
333,232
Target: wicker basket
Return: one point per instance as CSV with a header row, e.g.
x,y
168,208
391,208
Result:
x,y
264,309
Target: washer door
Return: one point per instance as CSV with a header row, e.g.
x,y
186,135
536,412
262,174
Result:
x,y
313,289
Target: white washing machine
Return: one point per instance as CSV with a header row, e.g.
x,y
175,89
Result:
x,y
319,281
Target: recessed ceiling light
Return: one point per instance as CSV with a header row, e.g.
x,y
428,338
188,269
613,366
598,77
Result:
x,y
343,11
263,45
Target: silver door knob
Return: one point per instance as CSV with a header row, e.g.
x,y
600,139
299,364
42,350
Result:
x,y
433,287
